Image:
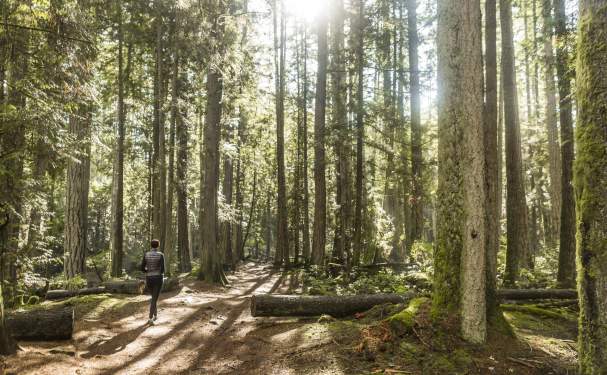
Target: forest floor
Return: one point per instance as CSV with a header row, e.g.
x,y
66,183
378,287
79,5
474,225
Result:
x,y
205,329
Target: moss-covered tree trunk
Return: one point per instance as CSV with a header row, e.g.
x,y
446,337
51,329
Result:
x,y
566,271
459,280
7,346
516,207
591,186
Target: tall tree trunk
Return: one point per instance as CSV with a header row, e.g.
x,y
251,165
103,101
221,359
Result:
x,y
12,147
77,193
340,125
282,240
516,207
492,176
118,183
554,156
320,190
228,176
211,259
169,248
566,271
416,130
459,280
159,154
306,193
591,186
183,250
388,121
360,134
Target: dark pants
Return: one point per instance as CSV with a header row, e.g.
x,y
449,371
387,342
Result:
x,y
154,284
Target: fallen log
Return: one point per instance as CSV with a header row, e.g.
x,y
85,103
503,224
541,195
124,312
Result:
x,y
337,306
296,305
530,294
55,323
138,286
62,293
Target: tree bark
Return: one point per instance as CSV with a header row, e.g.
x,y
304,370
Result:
x,y
118,183
360,134
459,279
516,207
554,157
416,128
211,259
342,134
306,193
159,154
183,250
42,324
492,217
566,271
62,293
77,193
591,186
336,306
320,192
282,239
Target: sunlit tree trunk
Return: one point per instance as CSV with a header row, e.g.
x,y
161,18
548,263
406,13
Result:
x,y
77,193
158,141
360,132
211,258
492,177
118,178
416,129
340,125
459,258
554,156
516,207
591,186
282,238
320,191
566,271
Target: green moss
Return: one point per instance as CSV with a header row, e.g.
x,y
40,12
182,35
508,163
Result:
x,y
499,325
537,311
402,323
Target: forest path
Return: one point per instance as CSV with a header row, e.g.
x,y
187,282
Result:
x,y
201,329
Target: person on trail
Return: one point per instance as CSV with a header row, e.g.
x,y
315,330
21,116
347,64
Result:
x,y
153,266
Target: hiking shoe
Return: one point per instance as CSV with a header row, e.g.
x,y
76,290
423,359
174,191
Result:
x,y
151,321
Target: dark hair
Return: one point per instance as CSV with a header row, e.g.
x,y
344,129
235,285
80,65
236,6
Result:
x,y
155,244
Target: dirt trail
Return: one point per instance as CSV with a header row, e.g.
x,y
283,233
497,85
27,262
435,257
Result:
x,y
201,330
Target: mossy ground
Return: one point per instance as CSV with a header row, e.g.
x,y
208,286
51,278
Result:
x,y
405,339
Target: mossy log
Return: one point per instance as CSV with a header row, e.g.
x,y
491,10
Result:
x,y
294,305
138,286
62,293
530,294
336,306
398,267
42,324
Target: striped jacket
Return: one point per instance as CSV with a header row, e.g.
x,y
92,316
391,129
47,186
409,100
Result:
x,y
153,263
